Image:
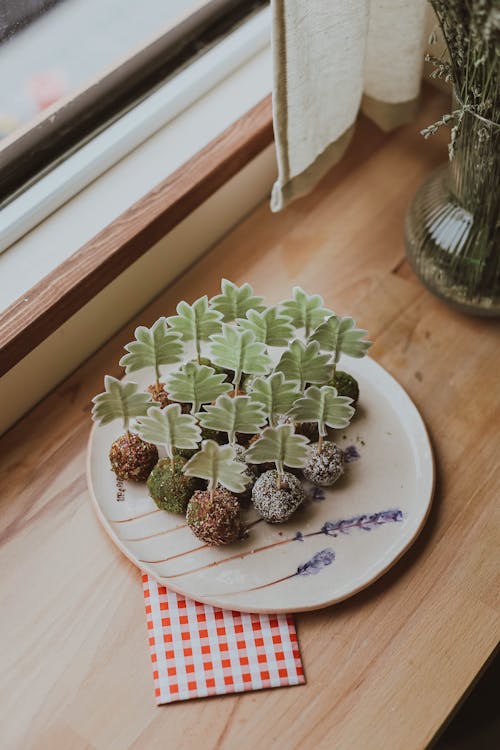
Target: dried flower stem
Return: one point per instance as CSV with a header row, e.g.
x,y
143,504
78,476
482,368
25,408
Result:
x,y
471,30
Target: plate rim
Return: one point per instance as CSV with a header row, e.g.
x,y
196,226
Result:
x,y
213,600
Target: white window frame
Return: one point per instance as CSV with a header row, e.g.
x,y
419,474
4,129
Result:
x,y
163,106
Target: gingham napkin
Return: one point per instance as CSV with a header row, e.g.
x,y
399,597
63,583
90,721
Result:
x,y
198,650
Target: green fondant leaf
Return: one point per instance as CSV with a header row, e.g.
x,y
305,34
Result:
x,y
170,428
281,445
303,363
235,301
324,406
152,347
270,327
232,415
305,310
196,322
340,336
239,352
217,464
120,400
196,385
275,394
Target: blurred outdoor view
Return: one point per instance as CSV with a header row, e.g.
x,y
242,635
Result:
x,y
51,48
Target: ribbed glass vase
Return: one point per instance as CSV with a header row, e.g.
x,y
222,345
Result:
x,y
452,230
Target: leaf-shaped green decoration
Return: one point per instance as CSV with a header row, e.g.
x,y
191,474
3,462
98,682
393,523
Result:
x,y
281,445
304,363
235,301
275,394
196,385
324,406
120,400
152,347
232,415
239,351
170,428
340,336
270,327
305,310
217,464
196,322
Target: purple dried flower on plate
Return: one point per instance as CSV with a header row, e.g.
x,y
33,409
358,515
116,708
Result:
x,y
317,495
365,522
329,528
351,454
317,562
314,565
390,515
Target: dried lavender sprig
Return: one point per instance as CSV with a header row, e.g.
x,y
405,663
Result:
x,y
366,522
318,562
442,69
434,127
471,30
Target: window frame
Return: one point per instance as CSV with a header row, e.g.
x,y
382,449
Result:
x,y
49,304
32,318
100,153
33,151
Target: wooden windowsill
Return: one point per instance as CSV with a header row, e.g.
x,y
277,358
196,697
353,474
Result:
x,y
47,305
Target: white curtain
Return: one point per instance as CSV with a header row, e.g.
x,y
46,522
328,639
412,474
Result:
x,y
332,58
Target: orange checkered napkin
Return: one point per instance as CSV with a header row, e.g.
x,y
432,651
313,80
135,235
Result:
x,y
199,650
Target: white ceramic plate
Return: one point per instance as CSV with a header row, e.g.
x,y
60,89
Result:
x,y
341,541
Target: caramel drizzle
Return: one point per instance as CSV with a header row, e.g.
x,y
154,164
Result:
x,y
157,533
135,518
187,552
256,588
328,528
240,555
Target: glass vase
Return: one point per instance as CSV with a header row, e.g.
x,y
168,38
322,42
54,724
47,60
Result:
x,y
452,230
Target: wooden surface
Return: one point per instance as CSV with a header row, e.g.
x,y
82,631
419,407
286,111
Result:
x,y
385,668
47,305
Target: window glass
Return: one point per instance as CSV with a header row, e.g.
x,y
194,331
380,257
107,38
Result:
x,y
49,50
70,67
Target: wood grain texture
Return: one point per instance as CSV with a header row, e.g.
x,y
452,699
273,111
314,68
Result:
x,y
385,668
35,315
